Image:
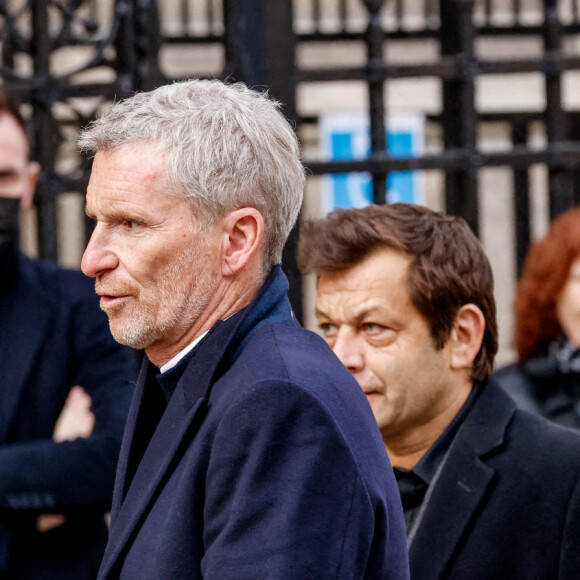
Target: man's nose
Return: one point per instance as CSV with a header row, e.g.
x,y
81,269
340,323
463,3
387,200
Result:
x,y
99,256
349,349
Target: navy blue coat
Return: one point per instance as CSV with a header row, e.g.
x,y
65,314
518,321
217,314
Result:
x,y
506,505
54,336
267,463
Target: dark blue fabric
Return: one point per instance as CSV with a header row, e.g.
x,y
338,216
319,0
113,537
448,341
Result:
x,y
269,306
8,277
267,463
55,337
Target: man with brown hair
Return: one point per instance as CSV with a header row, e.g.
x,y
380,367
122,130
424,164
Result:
x,y
405,300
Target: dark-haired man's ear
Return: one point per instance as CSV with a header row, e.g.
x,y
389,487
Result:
x,y
243,231
466,336
27,198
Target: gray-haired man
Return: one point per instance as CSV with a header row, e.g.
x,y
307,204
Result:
x,y
250,452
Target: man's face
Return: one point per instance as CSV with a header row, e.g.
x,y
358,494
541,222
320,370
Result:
x,y
155,269
17,173
368,320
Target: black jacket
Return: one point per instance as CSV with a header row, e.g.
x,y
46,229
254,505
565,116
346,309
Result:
x,y
53,337
506,505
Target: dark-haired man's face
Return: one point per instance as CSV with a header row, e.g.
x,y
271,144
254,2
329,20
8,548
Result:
x,y
17,177
367,318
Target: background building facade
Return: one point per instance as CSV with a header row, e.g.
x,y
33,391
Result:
x,y
487,91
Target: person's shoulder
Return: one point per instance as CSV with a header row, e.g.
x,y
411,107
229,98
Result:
x,y
286,353
302,354
546,433
496,417
508,372
535,444
306,365
294,340
519,385
285,369
543,453
513,377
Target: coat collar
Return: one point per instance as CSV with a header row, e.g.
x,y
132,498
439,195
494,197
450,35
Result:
x,y
460,487
227,338
210,360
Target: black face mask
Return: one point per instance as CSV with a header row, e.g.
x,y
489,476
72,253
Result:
x,y
9,219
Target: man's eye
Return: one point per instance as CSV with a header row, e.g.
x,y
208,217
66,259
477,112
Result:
x,y
129,224
327,328
8,177
372,328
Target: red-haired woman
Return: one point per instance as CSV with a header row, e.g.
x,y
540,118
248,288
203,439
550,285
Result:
x,y
547,326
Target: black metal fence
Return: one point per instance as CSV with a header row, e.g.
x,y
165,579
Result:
x,y
67,58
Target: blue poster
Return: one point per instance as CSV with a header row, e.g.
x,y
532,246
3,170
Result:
x,y
346,137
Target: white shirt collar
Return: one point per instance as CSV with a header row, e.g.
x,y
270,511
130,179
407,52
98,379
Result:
x,y
170,364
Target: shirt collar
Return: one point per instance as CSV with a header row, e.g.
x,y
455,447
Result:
x,y
170,364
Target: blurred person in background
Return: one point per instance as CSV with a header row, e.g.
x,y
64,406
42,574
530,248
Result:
x,y
64,395
546,378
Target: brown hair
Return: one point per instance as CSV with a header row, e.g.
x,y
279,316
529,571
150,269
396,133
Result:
x,y
448,265
545,274
10,106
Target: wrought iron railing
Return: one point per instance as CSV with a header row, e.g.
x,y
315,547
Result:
x,y
67,58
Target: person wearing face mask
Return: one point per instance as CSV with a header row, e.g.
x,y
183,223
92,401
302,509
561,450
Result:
x,y
546,378
64,395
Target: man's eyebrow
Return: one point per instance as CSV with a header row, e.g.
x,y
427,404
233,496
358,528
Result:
x,y
8,171
359,316
368,310
319,312
118,215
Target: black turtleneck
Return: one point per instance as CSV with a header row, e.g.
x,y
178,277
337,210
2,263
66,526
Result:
x,y
169,379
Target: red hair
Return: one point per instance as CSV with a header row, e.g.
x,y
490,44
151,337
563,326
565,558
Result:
x,y
545,274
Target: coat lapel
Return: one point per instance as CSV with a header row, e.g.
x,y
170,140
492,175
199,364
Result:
x,y
127,445
26,322
177,423
134,496
461,486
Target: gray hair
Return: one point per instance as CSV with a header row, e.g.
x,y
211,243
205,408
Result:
x,y
228,147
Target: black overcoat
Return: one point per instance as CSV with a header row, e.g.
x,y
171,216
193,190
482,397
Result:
x,y
506,504
54,336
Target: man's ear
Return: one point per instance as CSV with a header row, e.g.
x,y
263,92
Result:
x,y
466,336
243,231
32,178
